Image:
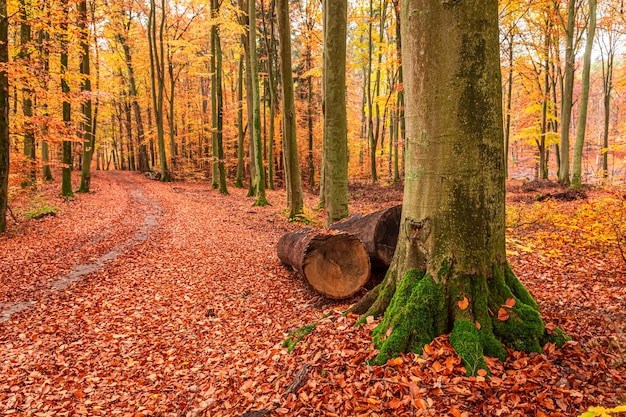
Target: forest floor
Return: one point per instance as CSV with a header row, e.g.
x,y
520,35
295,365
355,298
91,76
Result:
x,y
143,298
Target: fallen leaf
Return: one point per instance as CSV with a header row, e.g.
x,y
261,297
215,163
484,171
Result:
x,y
503,315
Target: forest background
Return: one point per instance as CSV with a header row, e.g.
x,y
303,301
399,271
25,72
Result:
x,y
134,83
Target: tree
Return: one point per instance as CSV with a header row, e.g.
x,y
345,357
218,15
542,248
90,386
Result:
x,y
157,79
290,145
568,88
66,171
449,272
584,99
335,117
89,141
258,178
217,106
4,114
27,90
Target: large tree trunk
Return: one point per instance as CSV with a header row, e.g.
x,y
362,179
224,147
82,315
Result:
x,y
378,231
334,263
449,272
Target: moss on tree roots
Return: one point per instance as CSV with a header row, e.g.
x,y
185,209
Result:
x,y
483,315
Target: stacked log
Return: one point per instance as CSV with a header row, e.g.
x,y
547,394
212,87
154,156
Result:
x,y
335,263
378,231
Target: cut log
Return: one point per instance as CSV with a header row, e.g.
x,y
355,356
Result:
x,y
333,262
378,231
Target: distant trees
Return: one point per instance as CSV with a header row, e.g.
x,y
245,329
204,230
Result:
x,y
163,105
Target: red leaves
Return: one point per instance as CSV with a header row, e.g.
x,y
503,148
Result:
x,y
197,327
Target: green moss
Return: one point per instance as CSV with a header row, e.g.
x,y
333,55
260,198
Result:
x,y
556,336
518,289
414,317
467,342
42,211
294,337
522,330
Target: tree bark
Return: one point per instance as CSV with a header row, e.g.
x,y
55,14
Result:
x,y
216,84
334,263
290,144
259,173
4,114
335,115
66,172
240,130
449,272
89,142
584,99
27,92
568,91
378,231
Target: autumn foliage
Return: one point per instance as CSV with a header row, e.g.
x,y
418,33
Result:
x,y
176,319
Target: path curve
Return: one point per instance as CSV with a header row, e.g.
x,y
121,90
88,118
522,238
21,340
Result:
x,y
182,311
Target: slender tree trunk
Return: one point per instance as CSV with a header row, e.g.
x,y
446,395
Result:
x,y
86,105
568,90
335,114
607,70
66,172
259,177
4,114
372,139
584,99
27,92
240,131
218,153
309,117
290,144
44,66
157,80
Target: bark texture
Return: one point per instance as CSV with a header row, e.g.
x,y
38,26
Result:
x,y
4,114
335,175
378,231
449,272
334,263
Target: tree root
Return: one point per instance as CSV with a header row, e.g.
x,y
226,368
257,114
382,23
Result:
x,y
483,315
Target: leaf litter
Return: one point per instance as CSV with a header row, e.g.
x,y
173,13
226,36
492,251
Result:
x,y
190,320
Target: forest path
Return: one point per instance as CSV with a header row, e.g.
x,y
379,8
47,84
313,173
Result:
x,y
189,291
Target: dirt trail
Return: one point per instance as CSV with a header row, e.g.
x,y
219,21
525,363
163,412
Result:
x,y
137,199
178,302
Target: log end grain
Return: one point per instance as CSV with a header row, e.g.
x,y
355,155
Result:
x,y
336,264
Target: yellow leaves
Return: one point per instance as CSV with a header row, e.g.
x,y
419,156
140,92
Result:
x,y
603,412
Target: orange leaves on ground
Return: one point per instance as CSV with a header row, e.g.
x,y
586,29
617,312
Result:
x,y
503,315
149,309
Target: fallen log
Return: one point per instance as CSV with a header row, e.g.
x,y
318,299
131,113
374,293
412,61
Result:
x,y
333,262
378,231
